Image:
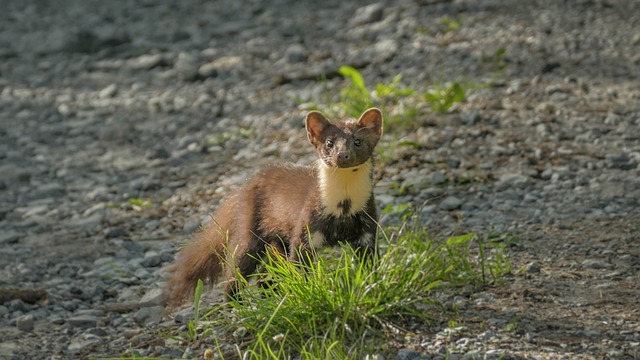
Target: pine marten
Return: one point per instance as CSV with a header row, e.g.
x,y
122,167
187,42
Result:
x,y
278,208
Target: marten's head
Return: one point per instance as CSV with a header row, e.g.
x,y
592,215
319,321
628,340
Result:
x,y
344,144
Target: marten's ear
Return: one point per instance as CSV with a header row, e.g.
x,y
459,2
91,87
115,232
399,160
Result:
x,y
315,123
371,119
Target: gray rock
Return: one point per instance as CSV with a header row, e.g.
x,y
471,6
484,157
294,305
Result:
x,y
438,177
84,321
450,203
186,66
470,117
596,264
108,92
25,323
17,305
149,315
512,180
115,232
183,316
9,237
11,173
80,345
82,41
407,354
146,62
367,14
532,268
473,355
151,259
208,70
225,65
48,190
134,246
153,297
295,53
190,227
487,335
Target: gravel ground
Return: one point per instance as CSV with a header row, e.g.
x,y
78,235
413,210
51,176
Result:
x,y
124,123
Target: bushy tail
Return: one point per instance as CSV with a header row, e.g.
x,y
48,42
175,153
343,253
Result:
x,y
203,258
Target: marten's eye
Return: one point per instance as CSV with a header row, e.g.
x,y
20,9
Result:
x,y
330,143
357,142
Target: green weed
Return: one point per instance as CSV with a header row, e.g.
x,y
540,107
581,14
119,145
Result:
x,y
443,97
451,24
139,204
341,308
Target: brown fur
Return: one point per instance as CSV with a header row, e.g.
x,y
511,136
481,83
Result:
x,y
281,205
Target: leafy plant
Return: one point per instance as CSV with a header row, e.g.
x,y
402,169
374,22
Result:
x,y
139,204
443,97
355,97
451,24
191,325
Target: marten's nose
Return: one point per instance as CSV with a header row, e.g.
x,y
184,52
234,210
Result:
x,y
343,156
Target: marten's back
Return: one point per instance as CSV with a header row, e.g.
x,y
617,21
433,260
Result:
x,y
280,195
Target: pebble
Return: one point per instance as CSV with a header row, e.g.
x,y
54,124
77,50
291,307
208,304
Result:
x,y
450,203
25,323
84,321
438,177
151,259
153,297
108,92
532,268
367,14
407,354
596,264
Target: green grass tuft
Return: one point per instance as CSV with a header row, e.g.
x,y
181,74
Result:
x,y
342,308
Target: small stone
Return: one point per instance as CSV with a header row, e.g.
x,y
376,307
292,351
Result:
x,y
512,180
470,117
190,227
115,232
295,53
146,62
151,259
463,342
17,305
208,70
532,268
133,246
56,320
407,354
151,314
454,163
437,178
450,203
48,190
186,67
82,41
108,92
9,237
83,321
367,14
152,224
483,298
25,323
153,297
487,335
596,264
473,355
183,316
224,65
